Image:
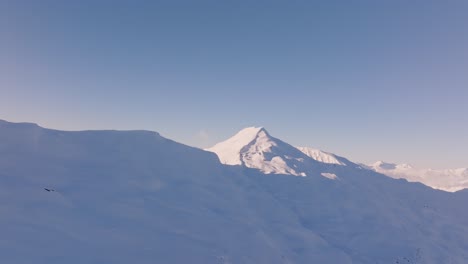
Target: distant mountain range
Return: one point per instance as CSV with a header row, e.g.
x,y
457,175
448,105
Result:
x,y
450,180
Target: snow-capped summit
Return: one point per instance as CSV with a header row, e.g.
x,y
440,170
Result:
x,y
229,150
254,147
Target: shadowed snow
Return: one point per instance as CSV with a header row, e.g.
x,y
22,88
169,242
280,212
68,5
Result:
x,y
136,197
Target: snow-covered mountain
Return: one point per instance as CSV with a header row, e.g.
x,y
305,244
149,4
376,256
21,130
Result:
x,y
137,197
450,180
254,148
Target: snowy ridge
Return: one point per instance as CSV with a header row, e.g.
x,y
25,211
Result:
x,y
322,156
450,180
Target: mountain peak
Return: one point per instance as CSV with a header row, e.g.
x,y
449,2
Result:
x,y
250,132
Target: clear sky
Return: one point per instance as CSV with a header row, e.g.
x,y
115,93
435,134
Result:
x,y
369,80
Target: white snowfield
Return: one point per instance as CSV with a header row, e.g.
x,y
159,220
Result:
x,y
136,197
450,180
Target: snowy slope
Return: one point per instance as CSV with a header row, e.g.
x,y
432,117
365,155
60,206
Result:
x,y
450,180
136,197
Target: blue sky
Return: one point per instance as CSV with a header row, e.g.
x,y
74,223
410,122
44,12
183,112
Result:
x,y
369,80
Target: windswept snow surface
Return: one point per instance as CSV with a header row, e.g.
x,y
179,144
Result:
x,y
450,180
136,197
